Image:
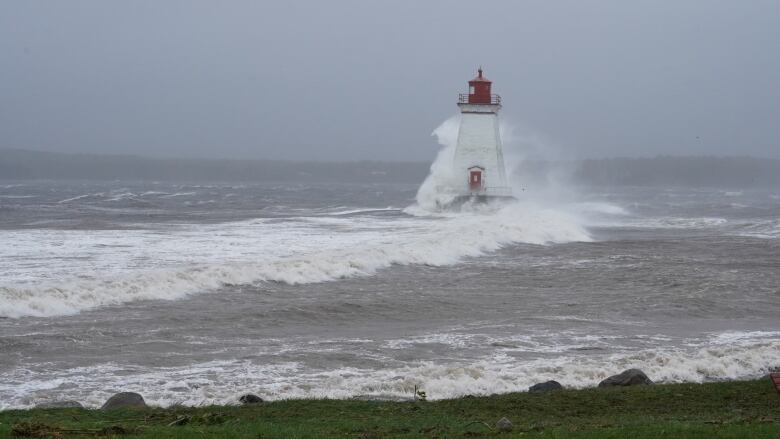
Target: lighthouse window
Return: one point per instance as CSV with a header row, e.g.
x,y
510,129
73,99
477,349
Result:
x,y
471,90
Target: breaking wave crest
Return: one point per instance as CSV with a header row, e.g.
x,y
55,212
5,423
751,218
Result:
x,y
116,268
438,189
750,356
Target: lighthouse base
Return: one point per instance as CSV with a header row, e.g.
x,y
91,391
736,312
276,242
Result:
x,y
478,199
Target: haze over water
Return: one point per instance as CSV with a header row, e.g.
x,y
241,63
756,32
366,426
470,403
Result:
x,y
196,293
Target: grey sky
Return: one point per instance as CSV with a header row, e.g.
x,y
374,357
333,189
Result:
x,y
336,80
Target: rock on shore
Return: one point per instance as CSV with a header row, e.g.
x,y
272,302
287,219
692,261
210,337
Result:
x,y
124,400
630,377
546,386
250,399
504,424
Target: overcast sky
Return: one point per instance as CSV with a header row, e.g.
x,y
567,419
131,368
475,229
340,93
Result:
x,y
353,80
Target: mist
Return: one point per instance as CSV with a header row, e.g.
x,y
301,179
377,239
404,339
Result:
x,y
533,177
349,80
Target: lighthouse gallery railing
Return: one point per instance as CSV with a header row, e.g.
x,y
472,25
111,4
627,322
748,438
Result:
x,y
463,98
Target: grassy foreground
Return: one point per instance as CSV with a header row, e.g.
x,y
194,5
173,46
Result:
x,y
743,409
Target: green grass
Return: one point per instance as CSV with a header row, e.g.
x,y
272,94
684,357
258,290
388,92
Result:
x,y
747,409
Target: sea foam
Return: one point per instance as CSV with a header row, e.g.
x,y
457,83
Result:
x,y
746,355
56,272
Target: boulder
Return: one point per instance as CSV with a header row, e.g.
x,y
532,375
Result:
x,y
630,377
504,424
124,400
60,404
250,399
546,386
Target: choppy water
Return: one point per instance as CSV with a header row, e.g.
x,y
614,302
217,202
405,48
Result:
x,y
195,294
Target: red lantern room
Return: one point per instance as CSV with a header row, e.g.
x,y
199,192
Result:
x,y
479,92
479,89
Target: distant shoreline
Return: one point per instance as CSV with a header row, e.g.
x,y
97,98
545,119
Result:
x,y
727,172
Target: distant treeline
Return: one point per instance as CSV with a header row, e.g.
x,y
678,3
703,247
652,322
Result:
x,y
22,164
681,171
662,170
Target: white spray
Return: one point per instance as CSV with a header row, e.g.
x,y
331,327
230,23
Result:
x,y
520,145
438,189
537,167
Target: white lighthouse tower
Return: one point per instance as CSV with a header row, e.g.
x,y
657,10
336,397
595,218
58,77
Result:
x,y
478,164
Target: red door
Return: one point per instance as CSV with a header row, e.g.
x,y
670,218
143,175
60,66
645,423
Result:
x,y
475,180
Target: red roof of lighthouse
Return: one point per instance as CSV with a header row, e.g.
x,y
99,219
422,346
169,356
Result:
x,y
479,92
479,77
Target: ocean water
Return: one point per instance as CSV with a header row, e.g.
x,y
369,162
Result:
x,y
197,293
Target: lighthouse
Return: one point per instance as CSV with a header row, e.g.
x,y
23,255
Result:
x,y
478,164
